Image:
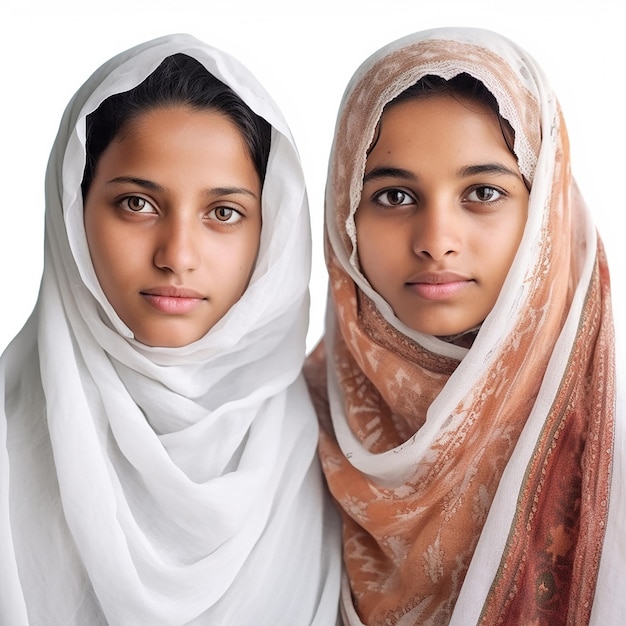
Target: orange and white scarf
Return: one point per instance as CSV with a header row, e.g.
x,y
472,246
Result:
x,y
476,485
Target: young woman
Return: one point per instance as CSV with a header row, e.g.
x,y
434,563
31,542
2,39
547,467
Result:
x,y
466,385
158,442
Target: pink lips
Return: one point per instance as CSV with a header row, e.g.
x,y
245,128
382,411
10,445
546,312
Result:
x,y
438,285
173,300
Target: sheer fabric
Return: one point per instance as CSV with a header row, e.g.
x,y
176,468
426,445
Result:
x,y
144,485
479,485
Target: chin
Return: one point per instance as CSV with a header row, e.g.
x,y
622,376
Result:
x,y
447,332
169,338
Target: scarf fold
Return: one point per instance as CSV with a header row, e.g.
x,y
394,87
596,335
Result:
x,y
164,486
475,484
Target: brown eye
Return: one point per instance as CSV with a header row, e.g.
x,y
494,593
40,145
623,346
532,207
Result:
x,y
394,197
136,204
226,215
484,194
223,214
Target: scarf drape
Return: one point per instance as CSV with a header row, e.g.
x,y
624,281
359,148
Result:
x,y
476,485
164,486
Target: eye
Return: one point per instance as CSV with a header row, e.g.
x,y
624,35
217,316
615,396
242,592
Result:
x,y
136,204
226,215
393,197
484,193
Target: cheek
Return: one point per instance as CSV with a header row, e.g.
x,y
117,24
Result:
x,y
96,235
377,248
365,241
249,261
112,256
502,255
252,248
235,258
364,247
514,239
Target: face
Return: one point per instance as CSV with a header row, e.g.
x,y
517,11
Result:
x,y
173,223
442,212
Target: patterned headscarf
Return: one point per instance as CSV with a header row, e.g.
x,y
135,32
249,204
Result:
x,y
474,484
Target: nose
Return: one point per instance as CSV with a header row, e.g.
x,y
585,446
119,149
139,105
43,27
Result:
x,y
178,244
436,232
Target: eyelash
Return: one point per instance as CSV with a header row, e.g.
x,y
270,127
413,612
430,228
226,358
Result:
x,y
124,203
234,212
379,194
501,194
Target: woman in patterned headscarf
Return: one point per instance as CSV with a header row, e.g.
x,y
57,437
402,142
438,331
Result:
x,y
472,437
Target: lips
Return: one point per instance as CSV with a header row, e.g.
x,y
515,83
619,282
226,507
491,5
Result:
x,y
438,285
173,300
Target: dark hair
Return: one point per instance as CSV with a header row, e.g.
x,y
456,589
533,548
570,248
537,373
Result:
x,y
179,80
460,86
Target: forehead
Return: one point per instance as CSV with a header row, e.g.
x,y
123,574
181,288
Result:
x,y
436,124
180,147
175,118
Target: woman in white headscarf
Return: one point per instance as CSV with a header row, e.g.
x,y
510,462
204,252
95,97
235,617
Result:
x,y
157,454
473,429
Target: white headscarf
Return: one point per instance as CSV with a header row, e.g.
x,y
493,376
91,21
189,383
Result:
x,y
144,485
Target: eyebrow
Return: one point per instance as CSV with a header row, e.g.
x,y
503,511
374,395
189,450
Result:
x,y
464,172
152,186
388,172
487,168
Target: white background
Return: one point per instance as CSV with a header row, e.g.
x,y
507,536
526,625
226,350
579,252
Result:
x,y
304,54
